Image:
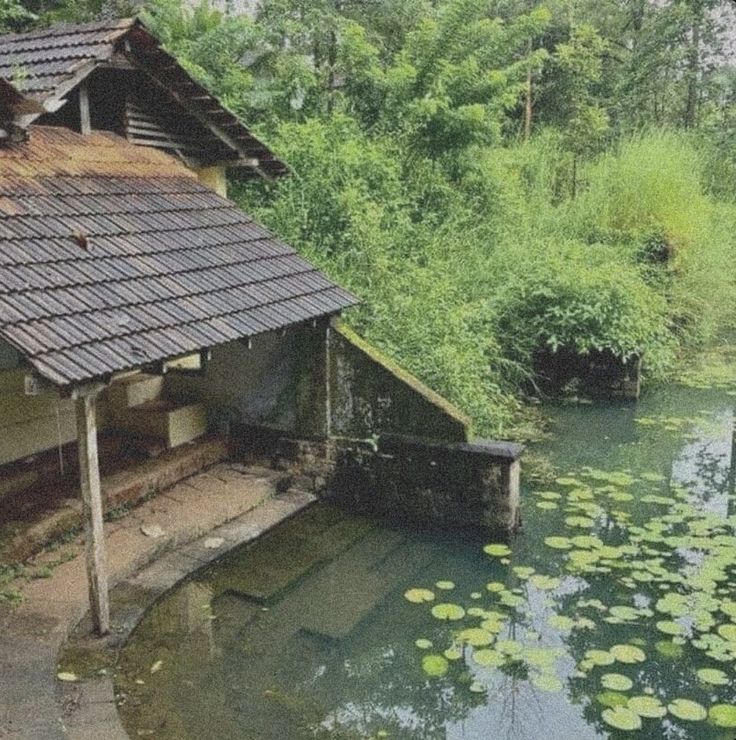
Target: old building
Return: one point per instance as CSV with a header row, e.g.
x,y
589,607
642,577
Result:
x,y
140,307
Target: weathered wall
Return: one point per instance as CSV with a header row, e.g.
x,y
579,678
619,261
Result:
x,y
407,480
281,382
370,395
278,382
32,424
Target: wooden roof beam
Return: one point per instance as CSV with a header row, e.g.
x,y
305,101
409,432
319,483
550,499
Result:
x,y
202,118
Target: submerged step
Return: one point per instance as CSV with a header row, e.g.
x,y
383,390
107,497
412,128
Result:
x,y
356,584
288,554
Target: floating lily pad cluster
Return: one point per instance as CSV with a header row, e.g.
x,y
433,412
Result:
x,y
669,571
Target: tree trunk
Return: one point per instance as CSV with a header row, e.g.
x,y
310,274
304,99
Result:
x,y
528,103
691,106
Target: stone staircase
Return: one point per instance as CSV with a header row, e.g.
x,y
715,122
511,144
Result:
x,y
139,406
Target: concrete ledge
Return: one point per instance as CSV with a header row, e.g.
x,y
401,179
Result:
x,y
500,451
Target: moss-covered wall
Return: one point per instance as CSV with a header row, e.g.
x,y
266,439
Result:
x,y
281,381
371,395
446,484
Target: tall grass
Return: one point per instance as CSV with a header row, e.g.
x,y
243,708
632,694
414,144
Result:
x,y
463,278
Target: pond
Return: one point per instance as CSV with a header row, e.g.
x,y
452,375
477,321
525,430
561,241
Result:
x,y
612,614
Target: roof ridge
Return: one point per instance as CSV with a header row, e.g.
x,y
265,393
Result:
x,y
62,29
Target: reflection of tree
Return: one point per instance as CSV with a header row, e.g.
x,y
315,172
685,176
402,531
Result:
x,y
732,471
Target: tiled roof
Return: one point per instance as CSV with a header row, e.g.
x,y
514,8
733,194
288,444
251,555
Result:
x,y
39,62
113,256
48,63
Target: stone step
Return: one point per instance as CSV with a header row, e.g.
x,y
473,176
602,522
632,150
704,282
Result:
x,y
340,596
288,554
23,538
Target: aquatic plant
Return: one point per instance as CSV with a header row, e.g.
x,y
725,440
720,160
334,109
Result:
x,y
668,565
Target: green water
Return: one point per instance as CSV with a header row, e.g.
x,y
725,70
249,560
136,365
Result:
x,y
307,633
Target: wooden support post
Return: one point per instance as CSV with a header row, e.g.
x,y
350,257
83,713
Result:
x,y
94,536
85,124
328,383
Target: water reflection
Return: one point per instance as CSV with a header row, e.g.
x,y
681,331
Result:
x,y
307,634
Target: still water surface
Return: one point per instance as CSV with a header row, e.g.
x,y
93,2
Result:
x,y
308,632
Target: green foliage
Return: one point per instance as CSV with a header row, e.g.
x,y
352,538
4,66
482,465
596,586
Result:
x,y
577,297
470,251
14,16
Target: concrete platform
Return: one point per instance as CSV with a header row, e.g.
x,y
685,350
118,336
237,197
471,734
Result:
x,y
196,522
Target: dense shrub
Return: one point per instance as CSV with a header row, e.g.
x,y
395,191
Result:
x,y
464,277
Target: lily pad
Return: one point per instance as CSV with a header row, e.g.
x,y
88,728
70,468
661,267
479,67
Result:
x,y
728,632
423,644
445,585
616,682
547,682
628,654
544,583
723,715
652,477
419,595
448,612
713,676
475,636
599,657
453,653
509,647
688,710
67,676
622,718
558,543
612,699
561,622
567,482
497,551
647,706
523,571
489,658
435,665
669,649
670,628
579,521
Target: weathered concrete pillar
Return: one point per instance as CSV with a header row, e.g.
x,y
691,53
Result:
x,y
503,496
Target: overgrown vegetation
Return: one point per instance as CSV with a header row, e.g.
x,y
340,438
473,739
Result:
x,y
491,177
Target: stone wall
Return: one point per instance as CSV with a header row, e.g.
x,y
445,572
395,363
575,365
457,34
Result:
x,y
371,395
466,485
